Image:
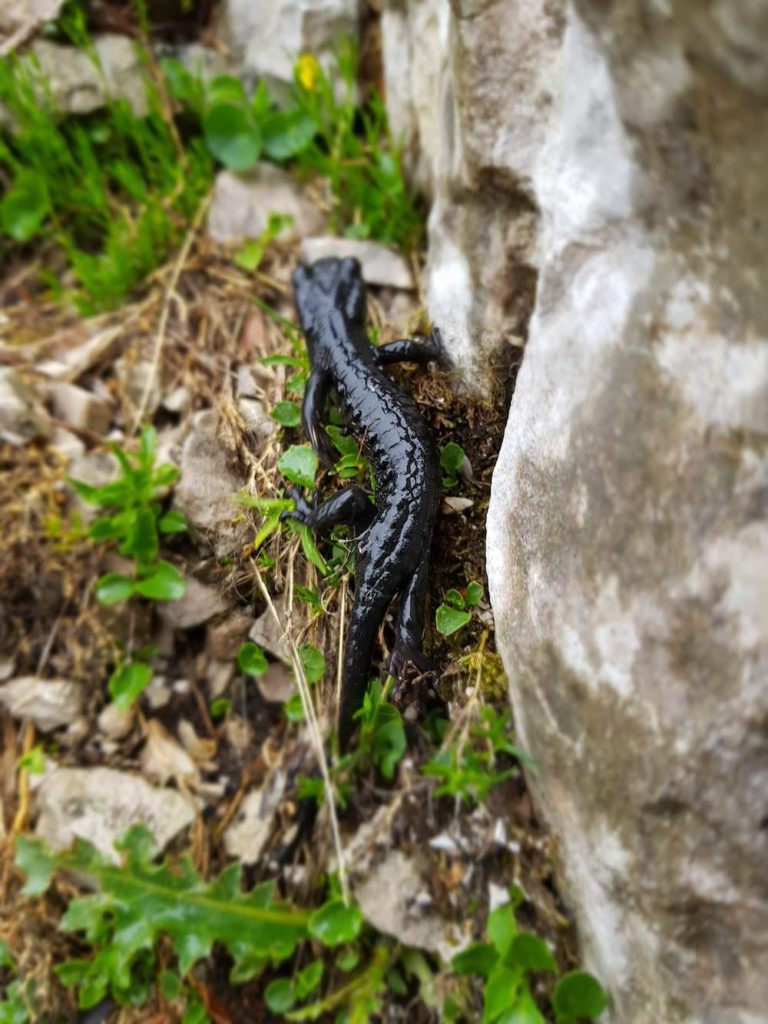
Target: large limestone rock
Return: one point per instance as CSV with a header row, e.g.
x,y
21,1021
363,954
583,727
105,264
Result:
x,y
628,529
470,84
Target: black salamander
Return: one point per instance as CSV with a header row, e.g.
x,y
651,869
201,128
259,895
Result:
x,y
393,535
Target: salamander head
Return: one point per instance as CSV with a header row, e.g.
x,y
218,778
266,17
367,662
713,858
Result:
x,y
326,286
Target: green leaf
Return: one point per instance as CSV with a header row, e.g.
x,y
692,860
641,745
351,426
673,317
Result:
x,y
335,922
299,465
309,978
530,952
172,522
388,743
183,85
479,958
501,928
114,587
128,682
170,984
24,208
279,995
143,900
288,133
348,959
501,991
452,458
449,620
250,256
33,761
454,598
225,89
251,660
264,504
525,1011
344,443
287,414
270,525
37,862
105,528
142,542
232,136
474,594
313,663
310,549
579,994
165,583
6,959
279,360
220,707
165,476
293,709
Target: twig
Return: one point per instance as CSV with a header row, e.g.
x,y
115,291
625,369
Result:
x,y
163,321
314,729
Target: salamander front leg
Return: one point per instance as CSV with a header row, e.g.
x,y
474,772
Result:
x,y
351,506
411,351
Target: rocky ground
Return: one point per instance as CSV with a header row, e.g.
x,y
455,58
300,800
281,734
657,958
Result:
x,y
188,358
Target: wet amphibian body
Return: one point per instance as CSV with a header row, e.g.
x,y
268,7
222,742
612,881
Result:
x,y
393,533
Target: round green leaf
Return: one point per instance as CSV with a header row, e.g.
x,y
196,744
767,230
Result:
x,y
251,660
232,136
279,995
287,414
114,587
25,207
531,952
287,133
299,465
335,922
225,89
578,994
313,662
474,594
448,620
452,457
165,583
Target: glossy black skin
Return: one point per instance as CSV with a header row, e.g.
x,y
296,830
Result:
x,y
394,535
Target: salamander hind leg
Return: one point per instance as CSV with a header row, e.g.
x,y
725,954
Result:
x,y
409,635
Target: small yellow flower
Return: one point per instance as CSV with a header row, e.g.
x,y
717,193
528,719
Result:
x,y
307,70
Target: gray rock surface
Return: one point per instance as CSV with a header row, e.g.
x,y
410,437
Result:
x,y
200,603
49,703
265,38
20,18
205,488
449,69
242,203
628,527
80,408
78,86
22,418
101,804
381,265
